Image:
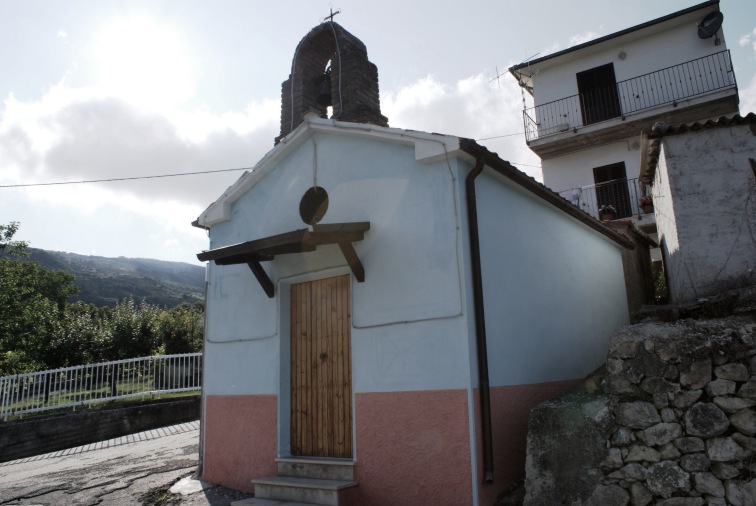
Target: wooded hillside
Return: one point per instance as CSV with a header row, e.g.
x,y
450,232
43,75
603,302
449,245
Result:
x,y
105,281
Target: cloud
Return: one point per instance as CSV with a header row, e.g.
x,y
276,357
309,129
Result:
x,y
749,38
473,108
582,37
71,135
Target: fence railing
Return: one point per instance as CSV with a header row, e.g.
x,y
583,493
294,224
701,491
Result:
x,y
92,383
665,86
623,194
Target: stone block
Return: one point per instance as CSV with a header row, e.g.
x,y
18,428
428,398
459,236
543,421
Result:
x,y
692,462
640,453
685,398
690,444
725,449
744,421
639,495
748,389
740,493
733,404
669,452
724,471
720,387
657,385
660,434
697,375
608,495
732,371
637,414
665,478
705,419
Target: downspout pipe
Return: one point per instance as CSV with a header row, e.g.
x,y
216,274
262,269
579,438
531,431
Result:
x,y
480,319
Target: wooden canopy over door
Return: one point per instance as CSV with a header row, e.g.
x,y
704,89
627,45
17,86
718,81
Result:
x,y
321,368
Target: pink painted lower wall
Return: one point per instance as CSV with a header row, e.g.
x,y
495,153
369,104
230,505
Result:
x,y
413,448
510,406
240,439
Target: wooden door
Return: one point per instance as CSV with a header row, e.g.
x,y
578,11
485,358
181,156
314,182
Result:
x,y
321,368
598,94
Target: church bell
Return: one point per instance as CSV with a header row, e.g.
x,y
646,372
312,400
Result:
x,y
323,83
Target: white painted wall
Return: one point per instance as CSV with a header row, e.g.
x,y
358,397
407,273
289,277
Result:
x,y
708,228
645,51
575,170
554,288
409,329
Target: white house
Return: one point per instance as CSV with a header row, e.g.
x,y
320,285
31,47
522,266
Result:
x,y
385,306
591,102
703,180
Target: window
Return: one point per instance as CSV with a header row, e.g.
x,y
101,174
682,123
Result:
x,y
597,88
611,188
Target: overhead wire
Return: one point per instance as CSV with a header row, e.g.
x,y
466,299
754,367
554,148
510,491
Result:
x,y
132,178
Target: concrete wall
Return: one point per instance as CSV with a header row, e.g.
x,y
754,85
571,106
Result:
x,y
36,436
704,200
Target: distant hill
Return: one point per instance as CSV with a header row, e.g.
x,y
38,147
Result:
x,y
104,281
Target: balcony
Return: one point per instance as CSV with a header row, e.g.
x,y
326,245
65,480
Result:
x,y
624,195
635,100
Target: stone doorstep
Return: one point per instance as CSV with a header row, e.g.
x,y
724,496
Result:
x,y
304,490
318,468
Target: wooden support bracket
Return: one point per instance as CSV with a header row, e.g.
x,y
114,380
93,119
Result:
x,y
262,277
353,260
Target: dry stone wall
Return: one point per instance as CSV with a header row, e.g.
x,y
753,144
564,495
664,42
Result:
x,y
670,421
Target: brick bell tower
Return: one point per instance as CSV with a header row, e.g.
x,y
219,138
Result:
x,y
330,68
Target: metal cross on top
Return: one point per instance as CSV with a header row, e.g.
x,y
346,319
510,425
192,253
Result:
x,y
330,18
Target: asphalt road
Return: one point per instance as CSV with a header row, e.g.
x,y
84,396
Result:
x,y
125,471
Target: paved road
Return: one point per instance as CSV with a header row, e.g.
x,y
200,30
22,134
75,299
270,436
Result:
x,y
118,472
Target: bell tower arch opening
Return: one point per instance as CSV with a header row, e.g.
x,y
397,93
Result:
x,y
332,76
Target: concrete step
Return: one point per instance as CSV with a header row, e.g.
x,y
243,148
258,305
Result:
x,y
303,490
254,501
319,468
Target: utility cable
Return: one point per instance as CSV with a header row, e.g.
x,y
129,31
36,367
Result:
x,y
134,178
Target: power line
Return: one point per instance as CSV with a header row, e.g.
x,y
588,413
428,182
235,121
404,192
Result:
x,y
500,136
133,178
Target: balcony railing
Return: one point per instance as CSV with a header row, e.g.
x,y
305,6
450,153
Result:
x,y
624,195
665,86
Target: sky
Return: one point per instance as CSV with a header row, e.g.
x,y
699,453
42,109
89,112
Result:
x,y
103,89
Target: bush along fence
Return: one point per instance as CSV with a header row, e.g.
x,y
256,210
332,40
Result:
x,y
69,387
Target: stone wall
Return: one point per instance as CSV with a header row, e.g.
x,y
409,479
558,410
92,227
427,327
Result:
x,y
670,420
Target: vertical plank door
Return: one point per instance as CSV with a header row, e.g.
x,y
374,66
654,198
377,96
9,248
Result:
x,y
321,368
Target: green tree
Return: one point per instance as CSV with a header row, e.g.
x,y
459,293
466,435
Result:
x,y
32,298
181,329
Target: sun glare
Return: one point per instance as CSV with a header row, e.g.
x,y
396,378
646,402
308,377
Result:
x,y
144,62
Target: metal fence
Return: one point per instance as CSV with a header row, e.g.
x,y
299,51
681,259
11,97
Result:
x,y
622,194
665,86
105,381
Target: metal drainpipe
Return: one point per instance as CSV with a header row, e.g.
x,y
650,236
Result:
x,y
480,320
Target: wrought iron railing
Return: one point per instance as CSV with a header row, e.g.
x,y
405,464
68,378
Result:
x,y
93,383
624,195
665,86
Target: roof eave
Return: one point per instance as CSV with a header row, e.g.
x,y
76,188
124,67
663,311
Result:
x,y
541,191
